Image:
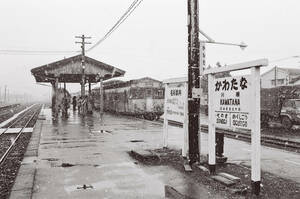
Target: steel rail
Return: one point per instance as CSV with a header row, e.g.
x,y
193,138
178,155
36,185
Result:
x,y
15,121
4,156
243,136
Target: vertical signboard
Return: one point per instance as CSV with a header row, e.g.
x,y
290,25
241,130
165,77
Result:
x,y
232,105
175,109
175,97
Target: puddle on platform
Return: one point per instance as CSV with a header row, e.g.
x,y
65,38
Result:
x,y
137,141
51,159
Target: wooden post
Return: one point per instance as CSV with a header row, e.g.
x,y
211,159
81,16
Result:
x,y
56,98
166,123
65,89
53,98
101,100
90,89
255,137
211,127
193,80
82,85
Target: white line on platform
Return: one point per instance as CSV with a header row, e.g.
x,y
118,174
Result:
x,y
16,130
297,163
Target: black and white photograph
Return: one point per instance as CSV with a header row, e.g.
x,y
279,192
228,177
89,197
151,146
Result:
x,y
149,99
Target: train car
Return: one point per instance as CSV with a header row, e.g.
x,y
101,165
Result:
x,y
140,97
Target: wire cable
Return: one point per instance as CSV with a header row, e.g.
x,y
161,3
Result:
x,y
34,52
128,12
131,8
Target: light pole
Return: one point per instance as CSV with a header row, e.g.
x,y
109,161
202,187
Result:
x,y
202,56
209,40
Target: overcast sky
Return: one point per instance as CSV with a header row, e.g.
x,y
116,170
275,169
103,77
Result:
x,y
151,42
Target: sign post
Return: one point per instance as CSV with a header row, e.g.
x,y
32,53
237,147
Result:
x,y
255,137
211,127
175,109
235,102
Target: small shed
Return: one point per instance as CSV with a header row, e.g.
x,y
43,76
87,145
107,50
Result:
x,y
77,69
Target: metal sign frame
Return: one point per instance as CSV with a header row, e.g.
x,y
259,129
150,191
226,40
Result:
x,y
254,66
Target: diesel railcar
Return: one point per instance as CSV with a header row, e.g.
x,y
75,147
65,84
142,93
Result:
x,y
140,97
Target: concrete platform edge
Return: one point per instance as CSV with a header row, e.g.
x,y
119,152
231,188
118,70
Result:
x,y
24,183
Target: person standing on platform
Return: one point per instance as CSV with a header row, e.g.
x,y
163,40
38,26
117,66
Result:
x,y
74,102
79,104
90,104
65,106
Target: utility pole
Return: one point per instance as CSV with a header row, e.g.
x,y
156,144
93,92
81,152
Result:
x,y
275,78
82,42
193,80
5,88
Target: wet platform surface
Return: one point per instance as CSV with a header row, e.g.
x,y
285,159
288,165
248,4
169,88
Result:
x,y
78,160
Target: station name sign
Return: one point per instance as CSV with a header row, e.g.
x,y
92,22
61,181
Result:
x,y
231,102
174,105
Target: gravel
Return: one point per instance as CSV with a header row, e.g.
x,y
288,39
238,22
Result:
x,y
272,185
9,169
5,114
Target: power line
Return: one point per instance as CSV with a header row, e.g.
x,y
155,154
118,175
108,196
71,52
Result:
x,y
128,12
34,52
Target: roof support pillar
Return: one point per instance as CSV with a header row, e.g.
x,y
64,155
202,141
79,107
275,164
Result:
x,y
83,85
90,89
101,100
55,98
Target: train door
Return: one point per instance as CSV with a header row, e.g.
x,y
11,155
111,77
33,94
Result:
x,y
149,100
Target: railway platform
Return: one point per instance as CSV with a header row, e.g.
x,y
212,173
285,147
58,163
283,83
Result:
x,y
79,158
75,159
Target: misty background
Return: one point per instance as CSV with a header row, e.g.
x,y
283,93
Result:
x,y
151,42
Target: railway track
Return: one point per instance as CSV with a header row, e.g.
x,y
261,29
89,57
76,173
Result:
x,y
18,134
267,140
8,111
8,107
13,147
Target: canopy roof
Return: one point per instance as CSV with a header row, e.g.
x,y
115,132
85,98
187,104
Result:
x,y
70,70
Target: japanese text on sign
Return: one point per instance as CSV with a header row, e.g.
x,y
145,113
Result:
x,y
175,98
232,106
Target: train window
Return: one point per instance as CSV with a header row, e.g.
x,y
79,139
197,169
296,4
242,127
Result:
x,y
160,93
148,92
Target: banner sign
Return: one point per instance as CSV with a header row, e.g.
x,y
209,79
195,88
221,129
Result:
x,y
231,102
175,95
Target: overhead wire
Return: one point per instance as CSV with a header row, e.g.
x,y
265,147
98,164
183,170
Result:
x,y
34,52
128,12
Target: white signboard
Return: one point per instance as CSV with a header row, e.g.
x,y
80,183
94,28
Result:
x,y
175,95
231,102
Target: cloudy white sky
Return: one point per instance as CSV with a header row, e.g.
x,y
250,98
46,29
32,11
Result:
x,y
151,42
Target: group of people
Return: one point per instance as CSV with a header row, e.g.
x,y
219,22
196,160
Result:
x,y
84,104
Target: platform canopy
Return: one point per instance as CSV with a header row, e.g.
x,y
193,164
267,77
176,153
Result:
x,y
70,70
